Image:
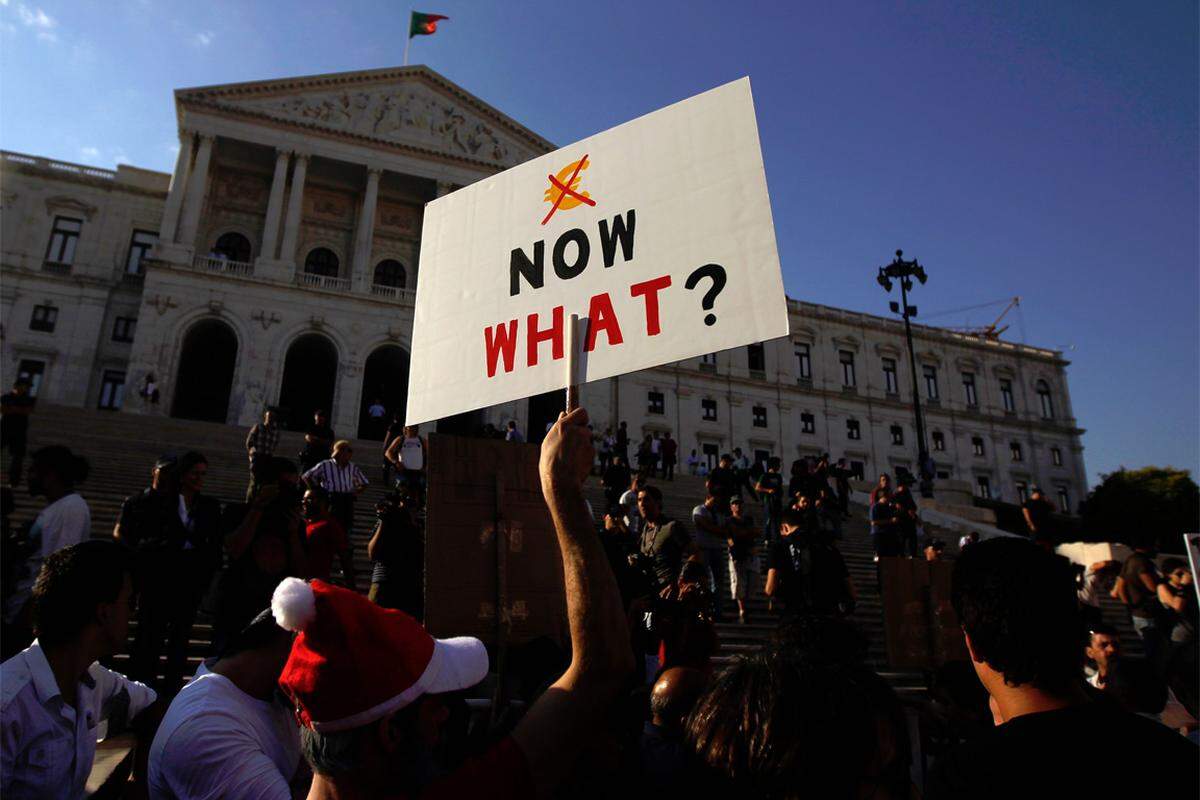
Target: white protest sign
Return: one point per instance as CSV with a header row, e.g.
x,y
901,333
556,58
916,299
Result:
x,y
658,232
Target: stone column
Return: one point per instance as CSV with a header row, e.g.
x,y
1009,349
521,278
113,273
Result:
x,y
170,220
270,238
366,231
195,193
291,225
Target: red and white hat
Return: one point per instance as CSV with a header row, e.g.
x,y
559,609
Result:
x,y
354,662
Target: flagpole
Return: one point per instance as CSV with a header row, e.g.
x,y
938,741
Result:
x,y
408,39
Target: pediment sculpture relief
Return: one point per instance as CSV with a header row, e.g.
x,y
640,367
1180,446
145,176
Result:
x,y
408,115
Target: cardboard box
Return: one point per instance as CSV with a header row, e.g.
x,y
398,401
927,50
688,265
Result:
x,y
920,626
490,544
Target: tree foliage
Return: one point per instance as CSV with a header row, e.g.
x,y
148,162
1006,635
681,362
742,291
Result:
x,y
1158,503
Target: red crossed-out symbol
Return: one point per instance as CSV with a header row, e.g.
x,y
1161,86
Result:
x,y
565,189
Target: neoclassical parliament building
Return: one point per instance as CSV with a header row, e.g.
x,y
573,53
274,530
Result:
x,y
278,266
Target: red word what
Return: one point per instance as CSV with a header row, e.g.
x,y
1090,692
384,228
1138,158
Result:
x,y
500,341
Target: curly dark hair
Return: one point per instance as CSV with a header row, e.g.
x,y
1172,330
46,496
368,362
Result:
x,y
1018,605
782,725
72,583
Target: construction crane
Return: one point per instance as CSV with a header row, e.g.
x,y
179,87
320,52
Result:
x,y
990,332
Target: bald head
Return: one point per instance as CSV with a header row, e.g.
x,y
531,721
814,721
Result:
x,y
674,694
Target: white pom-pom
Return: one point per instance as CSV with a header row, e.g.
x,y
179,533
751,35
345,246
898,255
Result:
x,y
294,605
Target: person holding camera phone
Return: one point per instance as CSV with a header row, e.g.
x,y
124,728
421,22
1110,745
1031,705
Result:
x,y
264,540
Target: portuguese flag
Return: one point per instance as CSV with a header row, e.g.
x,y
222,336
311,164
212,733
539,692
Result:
x,y
423,24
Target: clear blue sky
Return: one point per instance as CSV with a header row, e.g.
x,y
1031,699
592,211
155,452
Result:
x,y
1047,150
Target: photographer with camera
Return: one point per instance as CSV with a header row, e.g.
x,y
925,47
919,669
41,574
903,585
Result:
x,y
397,553
264,540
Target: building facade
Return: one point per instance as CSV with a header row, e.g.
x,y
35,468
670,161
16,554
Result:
x,y
278,264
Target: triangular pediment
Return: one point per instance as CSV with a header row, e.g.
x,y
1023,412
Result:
x,y
411,107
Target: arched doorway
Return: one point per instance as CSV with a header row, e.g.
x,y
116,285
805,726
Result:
x,y
309,378
205,374
385,379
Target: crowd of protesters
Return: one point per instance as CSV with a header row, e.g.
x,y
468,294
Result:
x,y
315,689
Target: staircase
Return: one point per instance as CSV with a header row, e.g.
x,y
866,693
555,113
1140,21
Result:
x,y
122,449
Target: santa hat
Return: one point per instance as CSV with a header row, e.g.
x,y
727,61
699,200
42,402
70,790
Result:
x,y
354,662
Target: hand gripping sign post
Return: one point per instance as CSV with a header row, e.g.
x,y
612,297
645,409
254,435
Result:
x,y
656,233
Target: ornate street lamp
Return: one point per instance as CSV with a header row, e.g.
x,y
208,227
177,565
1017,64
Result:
x,y
904,271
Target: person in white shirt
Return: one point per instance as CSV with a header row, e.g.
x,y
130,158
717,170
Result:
x,y
66,520
628,502
53,694
407,453
227,735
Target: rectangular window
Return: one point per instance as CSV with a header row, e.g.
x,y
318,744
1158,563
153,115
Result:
x,y
708,362
847,359
897,434
1064,500
969,390
756,358
712,455
656,403
1043,391
853,430
1014,449
709,407
1022,491
858,469
939,441
139,248
43,319
760,416
808,423
803,362
943,474
112,389
983,486
1056,456
63,239
931,384
1006,395
123,328
977,445
32,371
890,384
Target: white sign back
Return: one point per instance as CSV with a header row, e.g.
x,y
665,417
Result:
x,y
658,232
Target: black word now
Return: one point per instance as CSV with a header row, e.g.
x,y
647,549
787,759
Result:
x,y
533,270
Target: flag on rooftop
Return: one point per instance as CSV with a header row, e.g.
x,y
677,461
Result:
x,y
423,24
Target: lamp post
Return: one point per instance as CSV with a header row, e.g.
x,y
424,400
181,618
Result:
x,y
904,271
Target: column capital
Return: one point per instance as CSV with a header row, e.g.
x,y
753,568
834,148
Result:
x,y
375,170
283,152
301,155
186,134
206,137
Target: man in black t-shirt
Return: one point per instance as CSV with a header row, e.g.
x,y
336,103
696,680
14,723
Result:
x,y
770,489
723,481
318,442
906,506
808,575
1054,735
15,408
1038,512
